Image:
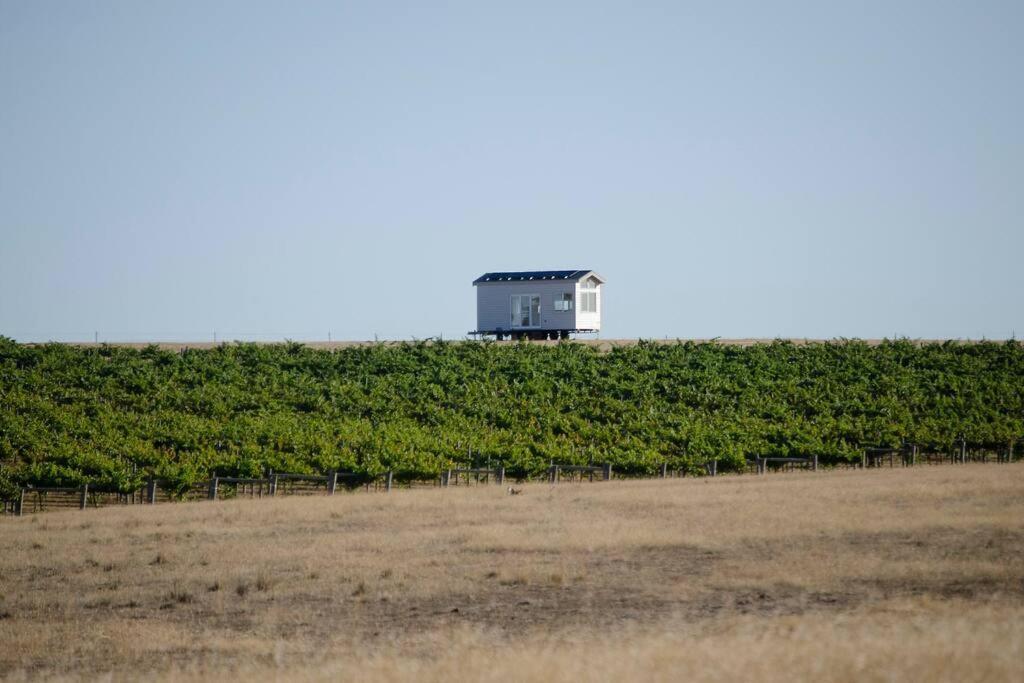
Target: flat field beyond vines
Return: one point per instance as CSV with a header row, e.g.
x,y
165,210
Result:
x,y
112,416
858,575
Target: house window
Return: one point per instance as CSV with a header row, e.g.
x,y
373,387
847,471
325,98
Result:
x,y
525,310
588,296
563,302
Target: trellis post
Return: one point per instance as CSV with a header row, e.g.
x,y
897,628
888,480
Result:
x,y
607,471
500,477
664,470
814,467
84,497
387,480
21,504
332,482
213,489
151,492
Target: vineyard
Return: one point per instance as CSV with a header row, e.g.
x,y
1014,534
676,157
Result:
x,y
114,417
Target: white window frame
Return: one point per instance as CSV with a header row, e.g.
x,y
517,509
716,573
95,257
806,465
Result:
x,y
563,305
511,311
588,289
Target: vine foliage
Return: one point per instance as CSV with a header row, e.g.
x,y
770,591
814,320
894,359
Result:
x,y
115,416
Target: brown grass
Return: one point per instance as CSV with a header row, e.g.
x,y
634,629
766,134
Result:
x,y
603,345
854,575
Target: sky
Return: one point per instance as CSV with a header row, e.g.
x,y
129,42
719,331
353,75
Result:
x,y
298,170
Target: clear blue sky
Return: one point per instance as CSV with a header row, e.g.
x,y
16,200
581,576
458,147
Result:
x,y
281,170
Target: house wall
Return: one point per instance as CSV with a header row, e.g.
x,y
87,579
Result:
x,y
494,305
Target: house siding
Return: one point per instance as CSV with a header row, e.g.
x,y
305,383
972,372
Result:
x,y
493,304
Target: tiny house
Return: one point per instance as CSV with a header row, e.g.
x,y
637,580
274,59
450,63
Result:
x,y
538,304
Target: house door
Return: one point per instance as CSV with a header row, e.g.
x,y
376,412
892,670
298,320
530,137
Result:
x,y
525,310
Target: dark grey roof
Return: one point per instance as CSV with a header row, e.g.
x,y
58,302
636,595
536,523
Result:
x,y
520,275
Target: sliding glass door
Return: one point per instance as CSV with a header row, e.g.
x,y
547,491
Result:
x,y
525,310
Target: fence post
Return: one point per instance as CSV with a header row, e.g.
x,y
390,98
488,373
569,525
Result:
x,y
213,489
446,478
84,497
714,468
815,466
963,450
607,471
151,492
864,460
761,462
664,470
332,482
501,475
387,481
20,509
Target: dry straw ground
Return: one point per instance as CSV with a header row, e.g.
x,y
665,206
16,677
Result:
x,y
603,345
878,575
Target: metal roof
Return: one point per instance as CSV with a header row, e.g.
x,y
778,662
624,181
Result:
x,y
522,275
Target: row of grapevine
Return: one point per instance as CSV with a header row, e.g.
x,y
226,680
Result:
x,y
116,416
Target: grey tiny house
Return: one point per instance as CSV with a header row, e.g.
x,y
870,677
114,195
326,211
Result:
x,y
538,304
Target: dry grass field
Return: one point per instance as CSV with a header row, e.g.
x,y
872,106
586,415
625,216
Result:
x,y
602,345
884,575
